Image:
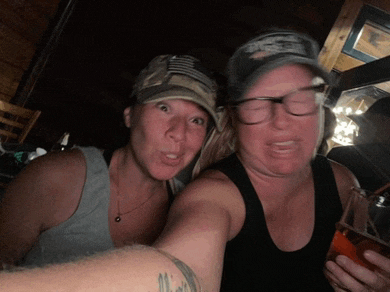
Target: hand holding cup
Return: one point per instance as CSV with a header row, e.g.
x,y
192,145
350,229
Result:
x,y
364,227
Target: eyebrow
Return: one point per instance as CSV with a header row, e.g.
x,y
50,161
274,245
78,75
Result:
x,y
281,96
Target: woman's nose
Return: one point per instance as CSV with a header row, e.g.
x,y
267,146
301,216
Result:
x,y
280,118
177,129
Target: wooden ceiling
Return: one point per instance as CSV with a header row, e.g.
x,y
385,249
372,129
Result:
x,y
105,44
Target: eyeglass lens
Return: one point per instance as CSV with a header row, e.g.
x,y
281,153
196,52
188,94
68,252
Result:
x,y
299,103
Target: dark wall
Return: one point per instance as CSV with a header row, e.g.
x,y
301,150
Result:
x,y
104,45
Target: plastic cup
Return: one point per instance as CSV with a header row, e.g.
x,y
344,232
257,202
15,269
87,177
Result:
x,y
365,224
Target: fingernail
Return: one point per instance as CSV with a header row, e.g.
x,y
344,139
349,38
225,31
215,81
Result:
x,y
367,253
341,259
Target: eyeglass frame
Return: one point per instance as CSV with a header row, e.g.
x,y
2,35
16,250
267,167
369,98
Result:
x,y
280,100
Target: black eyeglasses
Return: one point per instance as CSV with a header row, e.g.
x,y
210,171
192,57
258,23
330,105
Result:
x,y
300,102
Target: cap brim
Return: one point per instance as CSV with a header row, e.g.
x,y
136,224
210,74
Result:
x,y
185,94
281,61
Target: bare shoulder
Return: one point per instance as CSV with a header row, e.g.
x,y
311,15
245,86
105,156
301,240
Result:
x,y
212,185
43,195
48,182
345,180
216,192
53,168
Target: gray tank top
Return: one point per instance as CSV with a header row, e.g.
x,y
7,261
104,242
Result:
x,y
87,231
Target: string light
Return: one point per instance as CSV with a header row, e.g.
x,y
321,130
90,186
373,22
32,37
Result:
x,y
346,128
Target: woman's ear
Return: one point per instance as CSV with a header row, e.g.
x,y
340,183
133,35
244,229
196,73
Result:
x,y
127,116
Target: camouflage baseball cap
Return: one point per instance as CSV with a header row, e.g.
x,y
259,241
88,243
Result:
x,y
177,77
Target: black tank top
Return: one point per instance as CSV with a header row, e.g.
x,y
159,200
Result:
x,y
252,260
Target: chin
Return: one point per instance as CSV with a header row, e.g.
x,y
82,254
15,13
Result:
x,y
289,167
164,174
283,171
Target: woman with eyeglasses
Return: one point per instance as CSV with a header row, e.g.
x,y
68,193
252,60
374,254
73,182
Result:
x,y
268,211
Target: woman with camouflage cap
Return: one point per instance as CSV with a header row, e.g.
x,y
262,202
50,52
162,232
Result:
x,y
79,202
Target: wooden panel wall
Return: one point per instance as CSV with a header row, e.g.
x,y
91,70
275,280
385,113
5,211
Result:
x,y
22,25
331,56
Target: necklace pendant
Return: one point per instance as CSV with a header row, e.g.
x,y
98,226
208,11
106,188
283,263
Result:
x,y
118,218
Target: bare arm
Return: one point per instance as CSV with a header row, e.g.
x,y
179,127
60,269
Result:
x,y
36,200
203,218
137,268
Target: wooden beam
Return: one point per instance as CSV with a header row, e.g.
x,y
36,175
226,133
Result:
x,y
335,41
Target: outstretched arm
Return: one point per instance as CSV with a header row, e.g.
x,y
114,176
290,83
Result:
x,y
136,268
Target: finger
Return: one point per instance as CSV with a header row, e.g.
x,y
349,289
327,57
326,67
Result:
x,y
337,277
332,279
378,260
360,278
383,268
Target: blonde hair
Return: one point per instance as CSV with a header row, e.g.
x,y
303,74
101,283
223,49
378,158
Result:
x,y
218,145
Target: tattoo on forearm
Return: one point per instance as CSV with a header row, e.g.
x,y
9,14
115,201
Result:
x,y
187,273
191,284
164,285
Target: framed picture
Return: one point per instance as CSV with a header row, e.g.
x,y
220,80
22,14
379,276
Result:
x,y
369,39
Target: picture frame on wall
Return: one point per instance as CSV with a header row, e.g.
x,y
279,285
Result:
x,y
369,38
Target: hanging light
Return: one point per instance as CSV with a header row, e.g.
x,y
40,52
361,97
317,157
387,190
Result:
x,y
345,128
